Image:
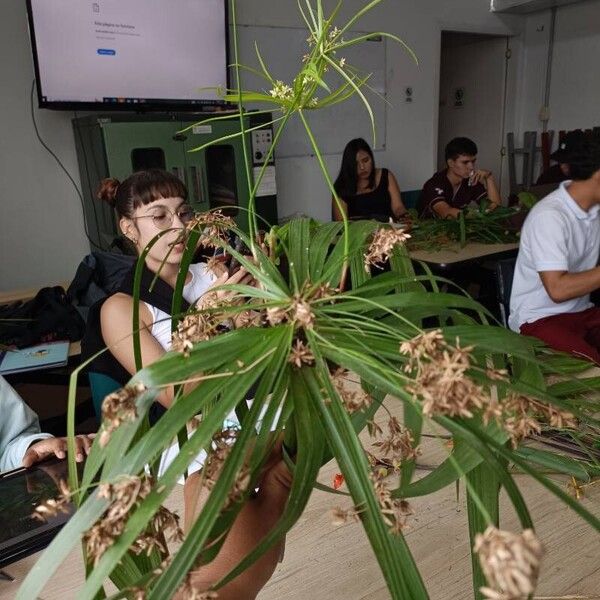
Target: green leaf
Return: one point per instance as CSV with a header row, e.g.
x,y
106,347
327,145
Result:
x,y
554,462
298,251
320,246
311,444
413,421
397,564
484,485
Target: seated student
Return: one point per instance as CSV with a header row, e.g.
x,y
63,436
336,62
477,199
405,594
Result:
x,y
558,256
365,191
147,202
459,184
21,442
555,174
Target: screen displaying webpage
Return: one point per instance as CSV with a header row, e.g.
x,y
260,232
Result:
x,y
130,50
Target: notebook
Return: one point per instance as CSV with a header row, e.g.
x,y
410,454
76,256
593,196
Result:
x,y
41,356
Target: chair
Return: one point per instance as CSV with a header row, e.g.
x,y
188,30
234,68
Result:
x,y
410,198
101,385
505,270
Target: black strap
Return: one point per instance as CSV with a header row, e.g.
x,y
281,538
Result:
x,y
157,293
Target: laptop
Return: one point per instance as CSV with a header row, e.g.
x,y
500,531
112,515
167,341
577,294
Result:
x,y
21,491
41,356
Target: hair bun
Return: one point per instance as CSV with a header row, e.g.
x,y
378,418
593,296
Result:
x,y
107,191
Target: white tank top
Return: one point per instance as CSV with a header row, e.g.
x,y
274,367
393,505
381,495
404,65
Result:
x,y
201,280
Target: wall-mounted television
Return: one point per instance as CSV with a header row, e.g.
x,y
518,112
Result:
x,y
135,55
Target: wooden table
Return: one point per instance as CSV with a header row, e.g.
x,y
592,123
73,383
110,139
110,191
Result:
x,y
454,255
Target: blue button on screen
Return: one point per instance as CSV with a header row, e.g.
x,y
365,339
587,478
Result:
x,y
106,51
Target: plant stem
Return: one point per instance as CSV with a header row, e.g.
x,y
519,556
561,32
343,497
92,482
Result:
x,y
332,189
252,225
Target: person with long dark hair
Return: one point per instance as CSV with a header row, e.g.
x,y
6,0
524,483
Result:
x,y
365,191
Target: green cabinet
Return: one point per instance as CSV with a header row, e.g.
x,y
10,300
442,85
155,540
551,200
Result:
x,y
116,146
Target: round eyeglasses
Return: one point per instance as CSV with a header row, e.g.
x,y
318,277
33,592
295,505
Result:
x,y
163,218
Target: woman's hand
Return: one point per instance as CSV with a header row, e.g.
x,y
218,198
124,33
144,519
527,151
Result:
x,y
215,296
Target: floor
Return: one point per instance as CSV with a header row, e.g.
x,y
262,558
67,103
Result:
x,y
325,562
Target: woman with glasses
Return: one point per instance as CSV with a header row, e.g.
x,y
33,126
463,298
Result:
x,y
146,203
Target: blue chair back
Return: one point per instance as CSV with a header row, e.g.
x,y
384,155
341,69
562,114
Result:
x,y
101,385
410,198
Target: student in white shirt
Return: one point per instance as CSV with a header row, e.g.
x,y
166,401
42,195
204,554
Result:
x,y
21,442
558,256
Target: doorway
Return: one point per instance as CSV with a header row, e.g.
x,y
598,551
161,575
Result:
x,y
473,90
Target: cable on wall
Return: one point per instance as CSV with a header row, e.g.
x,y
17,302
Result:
x,y
61,165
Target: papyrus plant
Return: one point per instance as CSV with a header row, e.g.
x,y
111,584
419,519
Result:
x,y
321,313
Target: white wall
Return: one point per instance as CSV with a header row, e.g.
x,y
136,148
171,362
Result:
x,y
575,85
41,225
411,128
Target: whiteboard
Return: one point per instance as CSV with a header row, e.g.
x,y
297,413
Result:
x,y
282,49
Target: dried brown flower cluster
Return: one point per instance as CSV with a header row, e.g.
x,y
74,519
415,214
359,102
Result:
x,y
394,448
441,380
299,312
125,495
200,326
276,315
301,354
247,318
53,506
189,591
194,328
222,444
117,408
382,245
397,446
325,290
214,226
353,397
510,563
442,383
521,417
341,516
395,511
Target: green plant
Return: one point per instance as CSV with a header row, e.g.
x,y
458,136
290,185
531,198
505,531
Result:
x,y
472,225
318,313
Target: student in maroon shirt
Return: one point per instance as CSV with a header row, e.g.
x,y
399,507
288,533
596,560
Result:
x,y
450,190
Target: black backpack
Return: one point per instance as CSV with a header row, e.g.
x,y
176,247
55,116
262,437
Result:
x,y
98,275
47,317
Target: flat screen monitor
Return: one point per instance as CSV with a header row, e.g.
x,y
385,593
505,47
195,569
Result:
x,y
136,55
